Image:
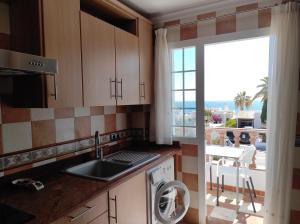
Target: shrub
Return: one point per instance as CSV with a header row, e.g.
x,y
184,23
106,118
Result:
x,y
216,118
231,123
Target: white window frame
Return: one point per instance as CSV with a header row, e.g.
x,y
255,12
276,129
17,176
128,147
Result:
x,y
200,126
183,92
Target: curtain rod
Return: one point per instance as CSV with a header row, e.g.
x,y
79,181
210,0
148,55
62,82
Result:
x,y
176,26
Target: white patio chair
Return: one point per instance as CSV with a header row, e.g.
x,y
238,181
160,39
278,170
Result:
x,y
245,160
212,161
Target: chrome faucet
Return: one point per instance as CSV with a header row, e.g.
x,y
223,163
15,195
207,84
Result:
x,y
99,150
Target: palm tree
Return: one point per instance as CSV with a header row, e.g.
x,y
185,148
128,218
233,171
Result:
x,y
242,101
263,94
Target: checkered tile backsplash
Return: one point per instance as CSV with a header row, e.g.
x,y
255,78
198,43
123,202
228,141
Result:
x,y
32,136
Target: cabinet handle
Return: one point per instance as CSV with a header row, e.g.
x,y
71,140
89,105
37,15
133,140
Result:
x,y
88,208
120,82
142,84
116,212
55,89
110,89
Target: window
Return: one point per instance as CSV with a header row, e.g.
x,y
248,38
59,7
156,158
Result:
x,y
184,92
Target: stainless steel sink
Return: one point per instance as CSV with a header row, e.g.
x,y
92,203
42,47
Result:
x,y
98,169
112,166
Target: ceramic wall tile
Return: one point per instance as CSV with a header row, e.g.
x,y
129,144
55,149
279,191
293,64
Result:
x,y
66,148
43,133
13,115
97,124
206,28
110,122
97,111
264,18
63,113
109,109
82,111
226,24
39,114
90,142
17,159
190,164
247,21
188,31
16,137
121,121
82,127
44,153
64,129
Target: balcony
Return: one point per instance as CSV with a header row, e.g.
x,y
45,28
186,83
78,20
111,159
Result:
x,y
225,213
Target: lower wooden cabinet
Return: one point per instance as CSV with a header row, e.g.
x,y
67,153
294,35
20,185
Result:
x,y
123,204
102,219
94,211
127,201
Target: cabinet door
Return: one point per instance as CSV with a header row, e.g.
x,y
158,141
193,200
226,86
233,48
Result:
x,y
146,61
129,206
127,67
98,61
94,211
61,28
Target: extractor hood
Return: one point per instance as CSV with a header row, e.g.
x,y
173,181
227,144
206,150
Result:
x,y
14,63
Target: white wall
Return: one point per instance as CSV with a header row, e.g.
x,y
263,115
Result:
x,y
4,18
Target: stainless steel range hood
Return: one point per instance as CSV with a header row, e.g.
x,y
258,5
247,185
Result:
x,y
14,63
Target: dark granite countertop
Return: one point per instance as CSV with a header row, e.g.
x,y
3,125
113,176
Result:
x,y
63,192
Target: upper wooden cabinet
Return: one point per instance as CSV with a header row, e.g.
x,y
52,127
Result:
x,y
61,26
127,68
146,61
50,28
98,61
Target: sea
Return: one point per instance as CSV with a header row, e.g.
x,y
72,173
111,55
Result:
x,y
256,105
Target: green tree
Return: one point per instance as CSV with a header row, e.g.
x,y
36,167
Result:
x,y
242,101
263,94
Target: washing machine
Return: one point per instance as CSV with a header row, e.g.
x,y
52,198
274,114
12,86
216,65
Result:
x,y
168,199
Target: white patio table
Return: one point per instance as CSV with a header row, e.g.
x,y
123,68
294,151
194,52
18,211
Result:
x,y
227,152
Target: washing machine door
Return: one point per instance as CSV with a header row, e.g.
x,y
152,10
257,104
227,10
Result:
x,y
171,202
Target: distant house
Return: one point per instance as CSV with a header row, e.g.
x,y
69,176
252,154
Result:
x,y
248,119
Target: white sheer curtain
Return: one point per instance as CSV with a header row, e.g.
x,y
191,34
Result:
x,y
282,110
161,114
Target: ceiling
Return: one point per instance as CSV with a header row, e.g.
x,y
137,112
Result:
x,y
154,8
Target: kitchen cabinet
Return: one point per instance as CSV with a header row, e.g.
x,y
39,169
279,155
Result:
x,y
127,68
128,201
146,61
61,26
93,212
110,59
49,28
98,61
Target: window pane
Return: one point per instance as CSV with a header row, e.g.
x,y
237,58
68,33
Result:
x,y
190,132
189,99
177,81
178,117
189,80
177,99
178,131
177,59
189,58
190,117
